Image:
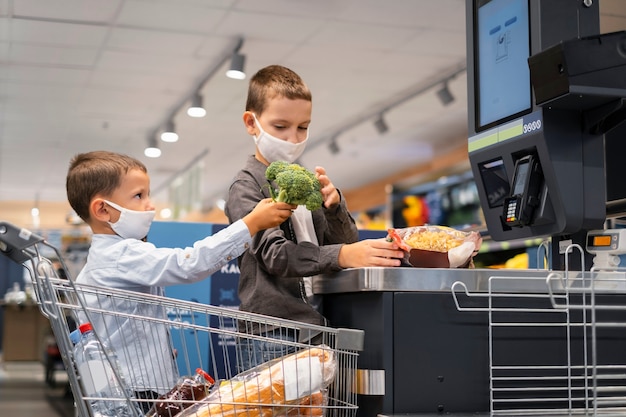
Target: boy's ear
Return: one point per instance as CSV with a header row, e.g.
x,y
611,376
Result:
x,y
99,210
248,121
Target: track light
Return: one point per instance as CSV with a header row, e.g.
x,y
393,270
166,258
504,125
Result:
x,y
333,147
196,109
237,62
236,67
381,125
445,95
169,134
152,150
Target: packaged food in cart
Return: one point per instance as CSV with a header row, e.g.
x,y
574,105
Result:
x,y
188,390
295,384
436,246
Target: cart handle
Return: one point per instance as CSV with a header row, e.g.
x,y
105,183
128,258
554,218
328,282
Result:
x,y
16,243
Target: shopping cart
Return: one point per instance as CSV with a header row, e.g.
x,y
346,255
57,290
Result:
x,y
313,376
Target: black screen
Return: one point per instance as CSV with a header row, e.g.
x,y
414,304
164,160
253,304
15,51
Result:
x,y
520,178
495,181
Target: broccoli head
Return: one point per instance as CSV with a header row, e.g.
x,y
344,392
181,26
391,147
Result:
x,y
275,168
295,185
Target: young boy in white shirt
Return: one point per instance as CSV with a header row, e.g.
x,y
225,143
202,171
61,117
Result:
x,y
111,193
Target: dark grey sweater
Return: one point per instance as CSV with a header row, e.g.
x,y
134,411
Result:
x,y
272,269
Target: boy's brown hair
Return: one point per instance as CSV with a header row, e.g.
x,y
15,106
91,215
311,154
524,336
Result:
x,y
96,173
274,81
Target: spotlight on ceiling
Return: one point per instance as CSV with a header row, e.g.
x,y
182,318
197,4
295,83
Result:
x,y
236,67
196,109
381,125
152,150
237,62
333,147
445,95
169,133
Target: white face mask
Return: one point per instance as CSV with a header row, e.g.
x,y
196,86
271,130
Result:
x,y
132,224
274,149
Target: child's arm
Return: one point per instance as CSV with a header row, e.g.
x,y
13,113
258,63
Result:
x,y
267,214
370,252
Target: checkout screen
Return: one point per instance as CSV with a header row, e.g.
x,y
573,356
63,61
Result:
x,y
502,32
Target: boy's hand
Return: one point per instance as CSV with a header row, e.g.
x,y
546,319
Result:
x,y
267,214
329,192
370,252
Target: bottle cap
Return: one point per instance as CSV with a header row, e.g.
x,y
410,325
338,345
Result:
x,y
206,376
85,327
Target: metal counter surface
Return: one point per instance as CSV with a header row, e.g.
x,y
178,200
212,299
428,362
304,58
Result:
x,y
436,279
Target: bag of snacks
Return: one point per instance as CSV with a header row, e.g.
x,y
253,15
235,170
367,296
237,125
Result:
x,y
436,246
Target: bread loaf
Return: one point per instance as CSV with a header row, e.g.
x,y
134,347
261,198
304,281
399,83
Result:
x,y
288,384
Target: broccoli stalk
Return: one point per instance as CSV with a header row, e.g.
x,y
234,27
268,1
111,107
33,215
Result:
x,y
295,185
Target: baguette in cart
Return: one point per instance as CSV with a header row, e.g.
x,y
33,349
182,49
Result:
x,y
311,380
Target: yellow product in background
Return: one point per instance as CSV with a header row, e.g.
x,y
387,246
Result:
x,y
517,262
415,212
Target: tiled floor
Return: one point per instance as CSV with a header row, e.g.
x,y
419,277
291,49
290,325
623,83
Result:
x,y
24,392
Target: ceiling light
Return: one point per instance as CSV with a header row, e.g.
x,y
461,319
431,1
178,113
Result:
x,y
165,213
196,109
445,95
237,62
381,125
236,67
169,133
333,147
152,150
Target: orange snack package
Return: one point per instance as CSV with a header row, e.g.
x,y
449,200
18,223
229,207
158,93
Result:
x,y
436,246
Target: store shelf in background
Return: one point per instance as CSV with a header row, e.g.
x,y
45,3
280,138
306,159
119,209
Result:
x,y
25,330
514,254
493,246
449,201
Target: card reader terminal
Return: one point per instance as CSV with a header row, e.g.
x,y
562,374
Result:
x,y
524,198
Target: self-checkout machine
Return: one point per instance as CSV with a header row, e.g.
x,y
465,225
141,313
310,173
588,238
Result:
x,y
546,106
544,92
538,159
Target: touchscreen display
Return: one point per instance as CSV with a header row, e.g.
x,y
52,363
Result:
x,y
503,47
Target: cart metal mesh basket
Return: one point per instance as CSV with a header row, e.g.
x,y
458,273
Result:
x,y
161,342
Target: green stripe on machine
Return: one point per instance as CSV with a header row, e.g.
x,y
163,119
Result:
x,y
482,142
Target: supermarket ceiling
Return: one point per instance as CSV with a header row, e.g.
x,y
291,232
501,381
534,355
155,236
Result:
x,y
81,75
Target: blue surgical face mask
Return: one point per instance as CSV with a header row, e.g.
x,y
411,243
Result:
x,y
274,149
132,224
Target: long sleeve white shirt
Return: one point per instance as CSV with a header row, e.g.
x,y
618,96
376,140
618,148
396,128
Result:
x,y
143,347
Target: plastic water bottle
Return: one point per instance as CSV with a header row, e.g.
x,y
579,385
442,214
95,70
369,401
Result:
x,y
98,378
